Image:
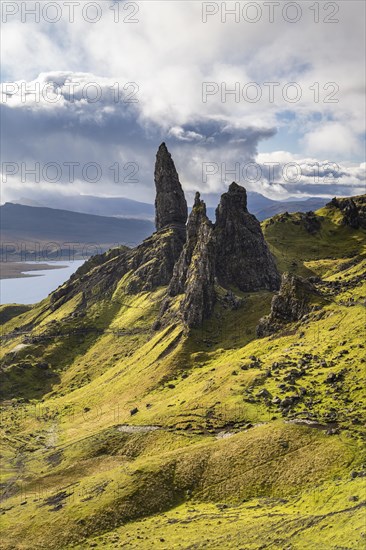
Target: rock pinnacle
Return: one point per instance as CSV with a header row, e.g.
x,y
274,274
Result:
x,y
170,203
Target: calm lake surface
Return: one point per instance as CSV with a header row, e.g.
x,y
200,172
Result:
x,y
29,290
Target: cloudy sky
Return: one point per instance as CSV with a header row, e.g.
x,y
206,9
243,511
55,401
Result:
x,y
269,94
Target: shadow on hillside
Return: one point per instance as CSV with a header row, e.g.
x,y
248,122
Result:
x,y
232,329
27,380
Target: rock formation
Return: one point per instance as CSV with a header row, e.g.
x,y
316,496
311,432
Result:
x,y
353,210
232,251
149,265
194,274
170,203
242,255
310,221
190,259
291,303
196,218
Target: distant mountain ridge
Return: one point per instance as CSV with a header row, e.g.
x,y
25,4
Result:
x,y
121,207
128,223
25,225
98,206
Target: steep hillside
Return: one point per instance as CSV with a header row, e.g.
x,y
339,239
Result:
x,y
128,422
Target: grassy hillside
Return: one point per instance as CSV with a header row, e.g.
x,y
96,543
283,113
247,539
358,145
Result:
x,y
118,435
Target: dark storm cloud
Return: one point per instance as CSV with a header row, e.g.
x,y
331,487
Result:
x,y
77,131
114,133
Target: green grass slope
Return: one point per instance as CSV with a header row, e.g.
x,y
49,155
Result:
x,y
116,435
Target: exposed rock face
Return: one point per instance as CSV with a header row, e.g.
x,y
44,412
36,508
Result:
x,y
194,272
150,265
196,218
96,277
292,302
242,255
153,261
170,203
310,221
353,210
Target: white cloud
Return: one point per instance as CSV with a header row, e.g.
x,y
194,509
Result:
x,y
332,139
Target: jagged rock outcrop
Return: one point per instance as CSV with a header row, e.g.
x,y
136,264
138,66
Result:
x,y
310,221
199,296
196,218
243,258
153,261
291,303
353,210
194,276
150,265
170,202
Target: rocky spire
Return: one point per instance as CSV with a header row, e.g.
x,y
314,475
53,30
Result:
x,y
199,291
170,203
194,272
242,255
196,217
